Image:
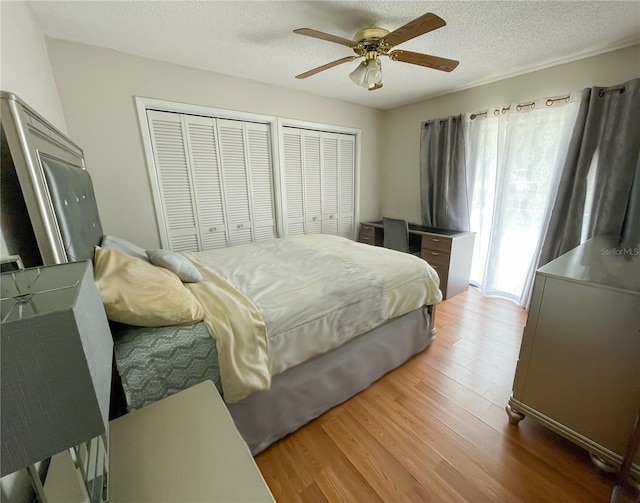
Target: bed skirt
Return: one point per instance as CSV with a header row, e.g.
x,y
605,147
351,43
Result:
x,y
306,391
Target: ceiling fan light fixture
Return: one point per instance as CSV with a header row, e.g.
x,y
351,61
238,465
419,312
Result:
x,y
367,74
359,75
374,73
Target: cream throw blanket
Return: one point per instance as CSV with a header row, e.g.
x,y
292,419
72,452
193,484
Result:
x,y
275,304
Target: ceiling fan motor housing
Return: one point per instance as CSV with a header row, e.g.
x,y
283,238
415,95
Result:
x,y
373,34
370,42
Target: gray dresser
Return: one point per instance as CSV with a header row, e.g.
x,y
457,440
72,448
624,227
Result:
x,y
579,366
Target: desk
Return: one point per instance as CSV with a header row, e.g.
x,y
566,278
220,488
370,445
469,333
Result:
x,y
448,251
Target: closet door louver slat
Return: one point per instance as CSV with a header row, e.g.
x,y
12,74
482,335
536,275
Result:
x,y
293,177
262,203
234,172
169,150
346,169
202,141
330,183
313,181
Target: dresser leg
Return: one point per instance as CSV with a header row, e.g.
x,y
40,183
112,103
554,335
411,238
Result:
x,y
432,314
514,416
603,465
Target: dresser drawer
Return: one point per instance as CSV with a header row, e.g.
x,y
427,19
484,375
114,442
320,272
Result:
x,y
367,240
443,274
436,258
436,243
367,231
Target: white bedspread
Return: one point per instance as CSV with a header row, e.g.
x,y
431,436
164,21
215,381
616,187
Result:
x,y
275,304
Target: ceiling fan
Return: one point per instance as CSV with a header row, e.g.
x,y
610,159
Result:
x,y
371,43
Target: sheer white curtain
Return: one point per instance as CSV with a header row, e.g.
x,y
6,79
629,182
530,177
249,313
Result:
x,y
514,162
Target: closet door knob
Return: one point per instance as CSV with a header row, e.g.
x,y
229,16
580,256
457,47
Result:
x,y
213,229
330,217
314,218
240,226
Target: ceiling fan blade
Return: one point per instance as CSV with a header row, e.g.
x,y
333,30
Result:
x,y
325,36
424,24
325,67
375,86
416,58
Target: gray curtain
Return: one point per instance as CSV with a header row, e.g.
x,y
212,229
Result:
x,y
631,226
443,185
606,138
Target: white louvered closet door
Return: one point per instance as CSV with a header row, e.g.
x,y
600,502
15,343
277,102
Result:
x,y
293,181
318,182
207,182
235,180
312,169
346,188
259,156
174,180
215,180
329,183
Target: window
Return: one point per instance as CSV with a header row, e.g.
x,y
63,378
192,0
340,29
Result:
x,y
514,164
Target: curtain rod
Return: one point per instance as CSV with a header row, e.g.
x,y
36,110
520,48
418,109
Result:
x,y
520,106
532,105
549,102
602,92
477,114
429,122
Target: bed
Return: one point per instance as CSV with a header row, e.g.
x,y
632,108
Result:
x,y
364,331
320,317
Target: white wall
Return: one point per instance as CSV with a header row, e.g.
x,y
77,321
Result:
x,y
97,89
400,168
25,70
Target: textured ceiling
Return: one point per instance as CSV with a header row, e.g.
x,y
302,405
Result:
x,y
254,40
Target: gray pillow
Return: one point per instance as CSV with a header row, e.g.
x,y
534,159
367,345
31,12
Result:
x,y
124,246
176,263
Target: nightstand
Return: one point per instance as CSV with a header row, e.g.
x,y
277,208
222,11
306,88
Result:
x,y
182,448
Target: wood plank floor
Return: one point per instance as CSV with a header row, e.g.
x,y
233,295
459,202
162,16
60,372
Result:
x,y
435,429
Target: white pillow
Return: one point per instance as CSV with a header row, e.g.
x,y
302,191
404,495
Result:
x,y
176,263
124,246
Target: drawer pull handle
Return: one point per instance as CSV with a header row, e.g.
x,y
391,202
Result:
x,y
436,240
435,266
435,254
